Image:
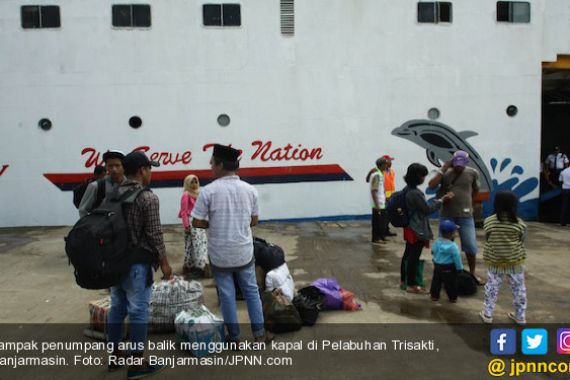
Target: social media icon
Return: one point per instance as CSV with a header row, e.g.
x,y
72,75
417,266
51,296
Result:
x,y
503,341
563,341
534,341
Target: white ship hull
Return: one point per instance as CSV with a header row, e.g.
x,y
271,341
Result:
x,y
335,92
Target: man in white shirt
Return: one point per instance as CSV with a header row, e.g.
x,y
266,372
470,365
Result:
x,y
228,208
555,163
564,179
377,192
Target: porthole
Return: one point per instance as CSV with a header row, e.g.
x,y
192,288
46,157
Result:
x,y
135,122
433,113
45,124
512,110
224,120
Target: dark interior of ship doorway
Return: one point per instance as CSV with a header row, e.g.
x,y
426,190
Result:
x,y
555,130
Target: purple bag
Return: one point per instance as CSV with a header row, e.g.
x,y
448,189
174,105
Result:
x,y
331,289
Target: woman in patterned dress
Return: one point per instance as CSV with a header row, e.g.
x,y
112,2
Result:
x,y
195,240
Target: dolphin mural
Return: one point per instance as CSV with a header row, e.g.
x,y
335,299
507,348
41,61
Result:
x,y
440,142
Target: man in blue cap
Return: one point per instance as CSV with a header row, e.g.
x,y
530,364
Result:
x,y
463,181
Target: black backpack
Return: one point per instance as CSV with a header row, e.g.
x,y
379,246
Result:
x,y
268,256
397,209
79,192
98,245
466,283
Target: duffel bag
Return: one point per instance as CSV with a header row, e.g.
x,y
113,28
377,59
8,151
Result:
x,y
280,315
309,302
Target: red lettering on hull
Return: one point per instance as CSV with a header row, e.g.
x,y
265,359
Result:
x,y
3,170
94,158
265,152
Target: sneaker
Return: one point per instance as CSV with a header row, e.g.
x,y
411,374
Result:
x,y
485,318
434,299
512,316
147,371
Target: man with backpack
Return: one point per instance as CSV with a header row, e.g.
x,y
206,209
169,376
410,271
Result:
x,y
132,296
94,194
79,191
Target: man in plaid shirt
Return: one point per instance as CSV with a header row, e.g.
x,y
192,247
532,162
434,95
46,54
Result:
x,y
132,296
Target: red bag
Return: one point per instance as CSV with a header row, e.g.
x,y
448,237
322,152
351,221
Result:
x,y
348,302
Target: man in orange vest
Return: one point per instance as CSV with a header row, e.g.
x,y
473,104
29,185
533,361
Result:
x,y
389,186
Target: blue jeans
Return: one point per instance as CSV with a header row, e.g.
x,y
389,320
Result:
x,y
467,234
227,293
132,298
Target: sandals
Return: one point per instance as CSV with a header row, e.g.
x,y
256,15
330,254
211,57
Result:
x,y
480,281
518,321
485,318
416,290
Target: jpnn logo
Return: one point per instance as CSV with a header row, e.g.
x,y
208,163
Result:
x,y
503,341
534,341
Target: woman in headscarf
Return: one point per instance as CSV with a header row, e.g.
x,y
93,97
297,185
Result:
x,y
195,243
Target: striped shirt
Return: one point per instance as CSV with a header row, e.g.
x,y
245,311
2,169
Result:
x,y
504,249
228,204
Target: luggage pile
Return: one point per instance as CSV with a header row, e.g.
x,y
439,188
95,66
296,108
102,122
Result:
x,y
170,298
285,311
177,305
199,325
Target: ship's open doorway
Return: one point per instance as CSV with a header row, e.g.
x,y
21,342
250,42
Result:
x,y
555,128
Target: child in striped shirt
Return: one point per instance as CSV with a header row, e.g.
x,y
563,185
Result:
x,y
504,255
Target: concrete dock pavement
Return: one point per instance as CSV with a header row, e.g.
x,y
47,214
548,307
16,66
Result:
x,y
37,284
40,301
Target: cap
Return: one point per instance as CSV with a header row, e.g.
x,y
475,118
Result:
x,y
113,154
226,153
460,158
388,157
137,159
447,225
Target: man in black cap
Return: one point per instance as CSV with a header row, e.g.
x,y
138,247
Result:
x,y
132,296
228,208
115,176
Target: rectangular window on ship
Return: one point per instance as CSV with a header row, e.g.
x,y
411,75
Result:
x,y
40,16
221,14
434,12
131,16
513,11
